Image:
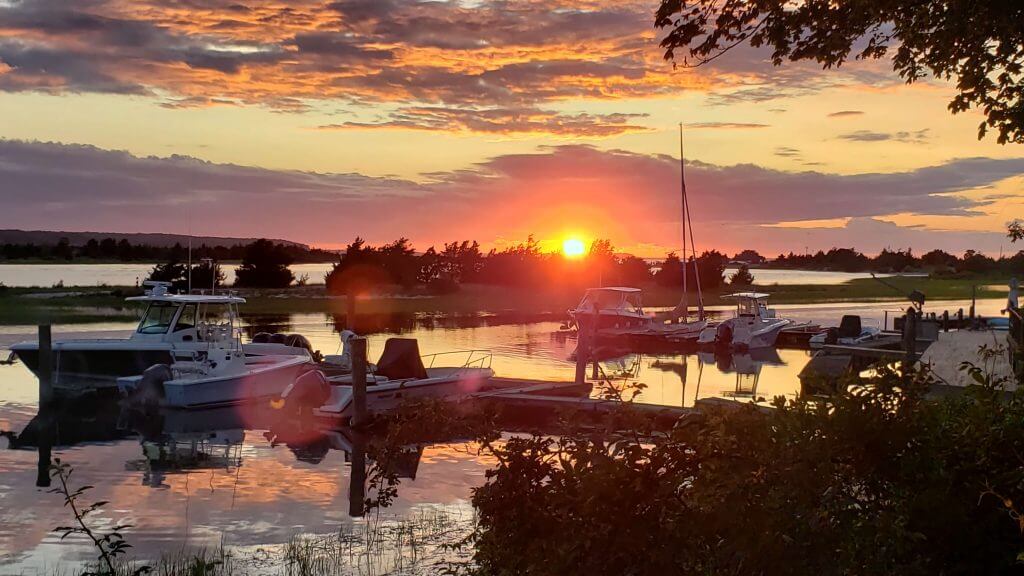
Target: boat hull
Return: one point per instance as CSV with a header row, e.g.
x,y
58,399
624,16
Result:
x,y
109,362
259,382
445,384
116,358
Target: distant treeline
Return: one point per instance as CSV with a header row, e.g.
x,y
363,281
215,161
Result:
x,y
124,251
362,267
936,261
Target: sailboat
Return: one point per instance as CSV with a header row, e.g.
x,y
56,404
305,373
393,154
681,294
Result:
x,y
617,312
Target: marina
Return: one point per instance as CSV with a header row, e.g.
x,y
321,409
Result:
x,y
534,371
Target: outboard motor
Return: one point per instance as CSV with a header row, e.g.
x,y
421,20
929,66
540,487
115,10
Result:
x,y
723,335
310,390
261,338
278,338
298,341
150,390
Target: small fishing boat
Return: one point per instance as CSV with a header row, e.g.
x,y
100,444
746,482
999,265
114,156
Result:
x,y
172,324
613,307
754,325
851,332
400,375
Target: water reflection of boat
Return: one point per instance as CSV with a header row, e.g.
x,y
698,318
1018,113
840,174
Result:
x,y
172,323
746,366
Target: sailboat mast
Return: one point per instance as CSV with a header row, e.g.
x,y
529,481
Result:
x,y
682,188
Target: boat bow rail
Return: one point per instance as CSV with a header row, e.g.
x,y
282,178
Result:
x,y
470,359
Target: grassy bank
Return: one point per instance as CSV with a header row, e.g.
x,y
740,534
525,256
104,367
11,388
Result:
x,y
92,304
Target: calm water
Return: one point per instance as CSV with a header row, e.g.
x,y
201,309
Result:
x,y
239,478
23,275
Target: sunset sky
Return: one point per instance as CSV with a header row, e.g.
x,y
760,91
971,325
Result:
x,y
319,121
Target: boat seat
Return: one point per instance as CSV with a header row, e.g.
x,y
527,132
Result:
x,y
401,360
849,326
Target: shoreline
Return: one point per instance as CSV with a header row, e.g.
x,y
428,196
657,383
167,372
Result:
x,y
72,305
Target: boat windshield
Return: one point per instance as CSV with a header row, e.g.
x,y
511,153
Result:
x,y
158,318
751,306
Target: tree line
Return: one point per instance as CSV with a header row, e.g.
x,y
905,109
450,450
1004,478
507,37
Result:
x,y
124,251
935,261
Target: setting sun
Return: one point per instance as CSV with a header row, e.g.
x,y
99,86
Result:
x,y
573,247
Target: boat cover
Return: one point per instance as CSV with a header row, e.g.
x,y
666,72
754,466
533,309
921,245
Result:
x,y
401,360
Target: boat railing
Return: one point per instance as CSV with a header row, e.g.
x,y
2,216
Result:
x,y
470,358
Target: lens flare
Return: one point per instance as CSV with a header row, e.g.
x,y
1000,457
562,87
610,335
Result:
x,y
573,248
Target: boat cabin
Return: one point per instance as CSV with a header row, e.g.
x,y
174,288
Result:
x,y
186,317
612,299
752,304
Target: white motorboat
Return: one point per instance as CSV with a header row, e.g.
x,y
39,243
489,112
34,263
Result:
x,y
754,325
613,307
618,311
851,332
400,375
172,324
217,375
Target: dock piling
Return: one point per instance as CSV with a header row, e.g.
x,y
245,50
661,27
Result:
x,y
45,365
359,417
357,478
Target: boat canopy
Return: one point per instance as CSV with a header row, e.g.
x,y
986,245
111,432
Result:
x,y
188,299
748,295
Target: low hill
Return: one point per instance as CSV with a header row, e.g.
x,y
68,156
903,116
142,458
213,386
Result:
x,y
51,237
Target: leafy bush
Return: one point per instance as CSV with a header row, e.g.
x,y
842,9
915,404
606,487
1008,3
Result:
x,y
876,481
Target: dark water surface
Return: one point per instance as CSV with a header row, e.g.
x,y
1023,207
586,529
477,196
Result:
x,y
238,478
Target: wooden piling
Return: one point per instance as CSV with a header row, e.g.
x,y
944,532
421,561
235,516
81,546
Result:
x,y
945,320
357,478
45,365
909,339
359,416
582,354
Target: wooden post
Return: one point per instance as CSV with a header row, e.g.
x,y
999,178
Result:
x,y
885,321
582,354
357,477
909,340
47,432
945,320
974,297
359,417
45,365
960,319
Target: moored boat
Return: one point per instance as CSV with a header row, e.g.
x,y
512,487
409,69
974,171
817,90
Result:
x,y
172,324
754,325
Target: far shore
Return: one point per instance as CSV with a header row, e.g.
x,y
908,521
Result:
x,y
66,305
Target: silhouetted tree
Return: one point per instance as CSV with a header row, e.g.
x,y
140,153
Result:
x,y
633,271
670,272
206,275
750,257
174,272
358,270
1015,230
742,277
970,41
265,265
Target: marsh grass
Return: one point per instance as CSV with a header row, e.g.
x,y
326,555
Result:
x,y
429,540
